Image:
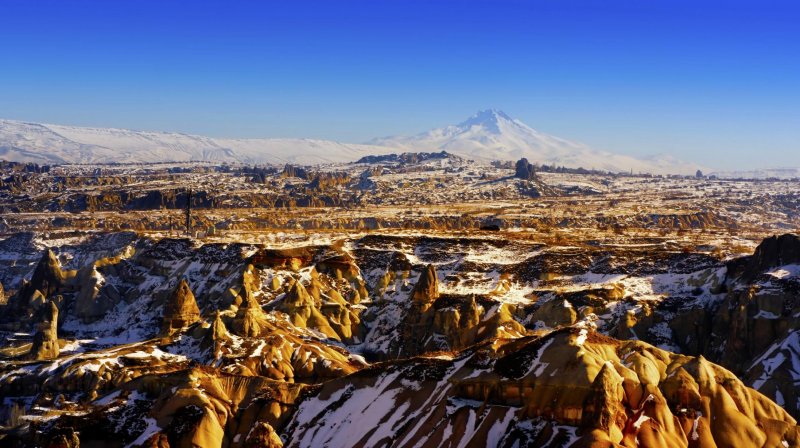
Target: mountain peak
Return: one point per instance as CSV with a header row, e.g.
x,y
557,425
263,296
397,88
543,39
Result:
x,y
489,119
493,114
492,134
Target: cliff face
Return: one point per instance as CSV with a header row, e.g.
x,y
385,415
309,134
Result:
x,y
772,252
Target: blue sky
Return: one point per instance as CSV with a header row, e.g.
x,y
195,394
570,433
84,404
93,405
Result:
x,y
716,82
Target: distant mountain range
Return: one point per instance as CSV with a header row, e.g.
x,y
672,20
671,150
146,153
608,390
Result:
x,y
55,144
487,135
763,173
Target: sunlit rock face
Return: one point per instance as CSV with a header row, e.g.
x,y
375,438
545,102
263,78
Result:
x,y
399,339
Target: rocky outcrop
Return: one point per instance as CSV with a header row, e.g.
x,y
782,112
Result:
x,y
343,267
187,407
292,259
180,309
218,330
461,325
45,339
524,170
772,252
327,303
48,276
564,308
420,316
746,319
90,304
621,391
554,313
262,435
300,307
399,269
461,367
47,280
434,322
251,282
426,291
527,391
216,337
250,320
215,410
604,412
62,438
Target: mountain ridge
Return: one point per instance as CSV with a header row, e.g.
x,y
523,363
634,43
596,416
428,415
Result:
x,y
50,143
487,135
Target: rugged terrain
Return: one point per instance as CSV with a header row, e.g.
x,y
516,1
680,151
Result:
x,y
406,300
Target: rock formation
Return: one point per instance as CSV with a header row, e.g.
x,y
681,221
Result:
x,y
772,252
263,436
420,317
47,280
604,409
777,250
250,320
302,311
218,330
524,170
180,309
45,339
507,345
530,391
90,304
426,291
555,313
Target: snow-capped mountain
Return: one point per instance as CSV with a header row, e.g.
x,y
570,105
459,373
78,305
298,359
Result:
x,y
493,135
487,135
47,143
765,173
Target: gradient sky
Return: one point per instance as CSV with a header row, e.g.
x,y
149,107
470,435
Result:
x,y
714,82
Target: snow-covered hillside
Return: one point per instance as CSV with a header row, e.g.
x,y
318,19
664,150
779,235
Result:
x,y
491,134
765,173
46,143
487,135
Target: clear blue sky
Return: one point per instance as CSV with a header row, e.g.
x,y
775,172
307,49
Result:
x,y
716,82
